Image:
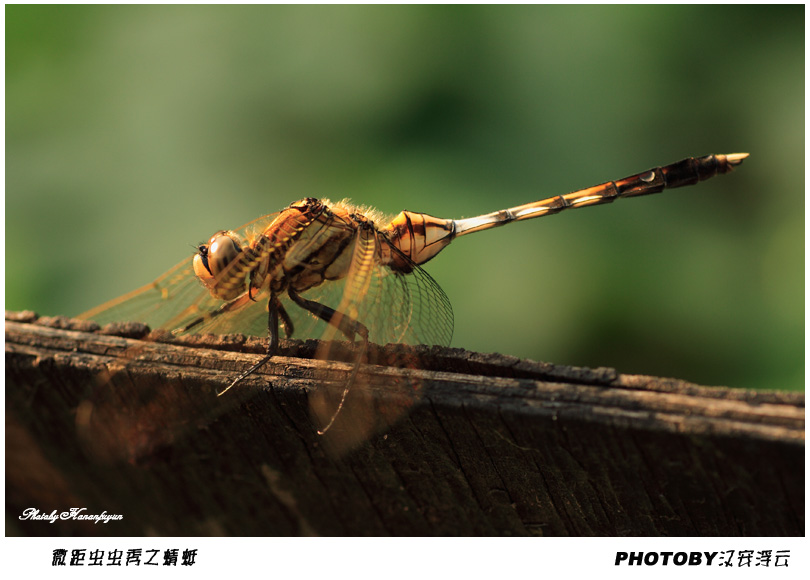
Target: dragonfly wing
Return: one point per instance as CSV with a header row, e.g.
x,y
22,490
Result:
x,y
395,308
177,298
413,308
126,415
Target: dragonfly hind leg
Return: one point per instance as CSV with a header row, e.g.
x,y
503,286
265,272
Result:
x,y
348,326
273,309
286,321
345,324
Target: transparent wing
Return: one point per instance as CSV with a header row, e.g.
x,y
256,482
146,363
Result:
x,y
413,308
395,308
177,298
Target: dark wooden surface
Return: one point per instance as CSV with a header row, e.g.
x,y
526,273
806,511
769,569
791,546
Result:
x,y
467,444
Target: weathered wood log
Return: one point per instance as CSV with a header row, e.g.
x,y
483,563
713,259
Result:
x,y
431,441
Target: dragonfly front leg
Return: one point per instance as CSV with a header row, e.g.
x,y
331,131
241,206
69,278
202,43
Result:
x,y
273,306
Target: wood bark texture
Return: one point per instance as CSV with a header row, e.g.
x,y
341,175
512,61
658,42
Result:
x,y
430,441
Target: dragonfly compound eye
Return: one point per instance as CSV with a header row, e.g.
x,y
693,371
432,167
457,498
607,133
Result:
x,y
213,259
223,248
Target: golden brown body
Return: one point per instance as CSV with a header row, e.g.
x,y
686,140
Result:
x,y
360,271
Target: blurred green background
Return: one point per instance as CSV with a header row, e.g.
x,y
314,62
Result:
x,y
133,133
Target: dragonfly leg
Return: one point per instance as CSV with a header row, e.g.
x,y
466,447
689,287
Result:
x,y
273,306
286,321
348,326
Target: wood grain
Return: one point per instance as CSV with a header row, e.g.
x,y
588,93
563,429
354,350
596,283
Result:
x,y
432,441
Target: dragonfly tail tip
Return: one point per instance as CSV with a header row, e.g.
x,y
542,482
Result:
x,y
735,159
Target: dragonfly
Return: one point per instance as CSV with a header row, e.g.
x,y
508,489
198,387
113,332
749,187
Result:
x,y
332,270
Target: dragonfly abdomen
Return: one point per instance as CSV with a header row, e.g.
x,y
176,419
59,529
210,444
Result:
x,y
418,236
689,171
686,172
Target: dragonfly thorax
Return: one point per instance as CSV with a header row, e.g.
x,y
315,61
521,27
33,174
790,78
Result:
x,y
307,244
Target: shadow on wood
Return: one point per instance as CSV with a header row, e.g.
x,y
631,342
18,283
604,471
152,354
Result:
x,y
466,444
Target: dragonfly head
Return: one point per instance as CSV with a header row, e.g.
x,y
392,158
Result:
x,y
211,265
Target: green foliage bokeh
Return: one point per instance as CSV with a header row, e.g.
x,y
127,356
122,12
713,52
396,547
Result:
x,y
134,132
